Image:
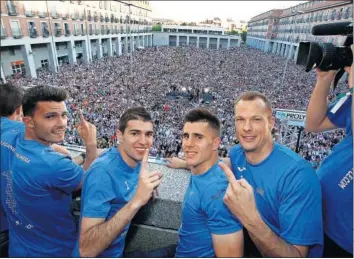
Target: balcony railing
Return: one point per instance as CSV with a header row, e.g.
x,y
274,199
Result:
x,y
42,14
66,16
17,33
58,32
67,32
30,13
3,33
33,33
55,15
11,8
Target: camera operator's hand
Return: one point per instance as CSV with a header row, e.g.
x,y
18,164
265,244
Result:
x,y
350,77
325,77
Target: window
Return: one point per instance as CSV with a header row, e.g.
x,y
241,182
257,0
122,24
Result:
x,y
339,14
44,29
32,29
18,67
44,62
333,14
15,29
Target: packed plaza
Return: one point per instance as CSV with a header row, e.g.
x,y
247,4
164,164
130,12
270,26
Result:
x,y
105,88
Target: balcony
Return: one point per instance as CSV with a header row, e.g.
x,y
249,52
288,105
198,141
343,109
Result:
x,y
67,32
66,16
106,19
82,17
55,15
11,8
83,33
108,31
30,13
112,19
33,33
42,14
95,18
58,32
90,32
89,18
97,31
3,33
17,33
101,18
102,31
76,32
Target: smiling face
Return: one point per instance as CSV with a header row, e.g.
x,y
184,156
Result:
x,y
200,144
137,137
254,123
48,123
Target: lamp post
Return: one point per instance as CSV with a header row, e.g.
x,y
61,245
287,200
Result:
x,y
292,41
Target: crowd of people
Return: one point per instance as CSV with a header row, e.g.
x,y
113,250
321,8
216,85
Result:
x,y
104,89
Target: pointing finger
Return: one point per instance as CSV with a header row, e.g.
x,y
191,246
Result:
x,y
229,174
144,161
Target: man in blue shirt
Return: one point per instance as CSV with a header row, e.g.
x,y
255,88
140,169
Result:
x,y
116,186
11,115
336,171
36,181
277,195
208,229
274,192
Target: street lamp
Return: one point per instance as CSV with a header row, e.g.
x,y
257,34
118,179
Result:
x,y
291,42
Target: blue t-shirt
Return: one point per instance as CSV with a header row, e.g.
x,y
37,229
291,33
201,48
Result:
x,y
36,186
336,176
109,185
287,193
8,125
204,213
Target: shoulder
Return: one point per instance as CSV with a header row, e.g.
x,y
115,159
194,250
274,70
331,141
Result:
x,y
288,157
102,166
216,187
235,151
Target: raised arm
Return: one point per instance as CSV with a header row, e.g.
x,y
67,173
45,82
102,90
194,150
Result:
x,y
97,234
316,115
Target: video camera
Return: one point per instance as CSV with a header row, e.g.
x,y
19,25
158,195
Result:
x,y
327,56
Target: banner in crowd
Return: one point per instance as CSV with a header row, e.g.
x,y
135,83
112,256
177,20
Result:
x,y
293,118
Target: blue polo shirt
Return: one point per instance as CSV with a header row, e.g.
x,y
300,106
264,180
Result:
x,y
36,186
204,213
336,176
8,125
287,193
109,185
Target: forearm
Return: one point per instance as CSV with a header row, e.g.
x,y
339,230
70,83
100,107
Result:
x,y
78,160
98,238
91,154
267,242
318,105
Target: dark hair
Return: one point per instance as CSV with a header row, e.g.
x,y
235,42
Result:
x,y
136,113
41,93
202,115
253,95
10,99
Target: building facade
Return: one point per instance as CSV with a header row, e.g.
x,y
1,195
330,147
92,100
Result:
x,y
202,37
280,31
35,34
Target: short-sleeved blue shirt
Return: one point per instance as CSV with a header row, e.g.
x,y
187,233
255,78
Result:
x,y
36,186
6,125
288,195
336,176
204,213
109,185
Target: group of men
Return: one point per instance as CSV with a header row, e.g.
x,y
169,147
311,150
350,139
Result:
x,y
265,200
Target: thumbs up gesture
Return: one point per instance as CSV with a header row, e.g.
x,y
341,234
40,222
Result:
x,y
148,182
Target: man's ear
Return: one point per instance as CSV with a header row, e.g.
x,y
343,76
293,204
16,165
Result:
x,y
119,135
18,113
216,143
28,121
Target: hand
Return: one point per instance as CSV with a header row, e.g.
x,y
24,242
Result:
x,y
350,76
177,163
239,197
148,182
326,76
87,131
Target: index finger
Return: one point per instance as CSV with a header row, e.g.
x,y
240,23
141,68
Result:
x,y
82,119
229,174
144,161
